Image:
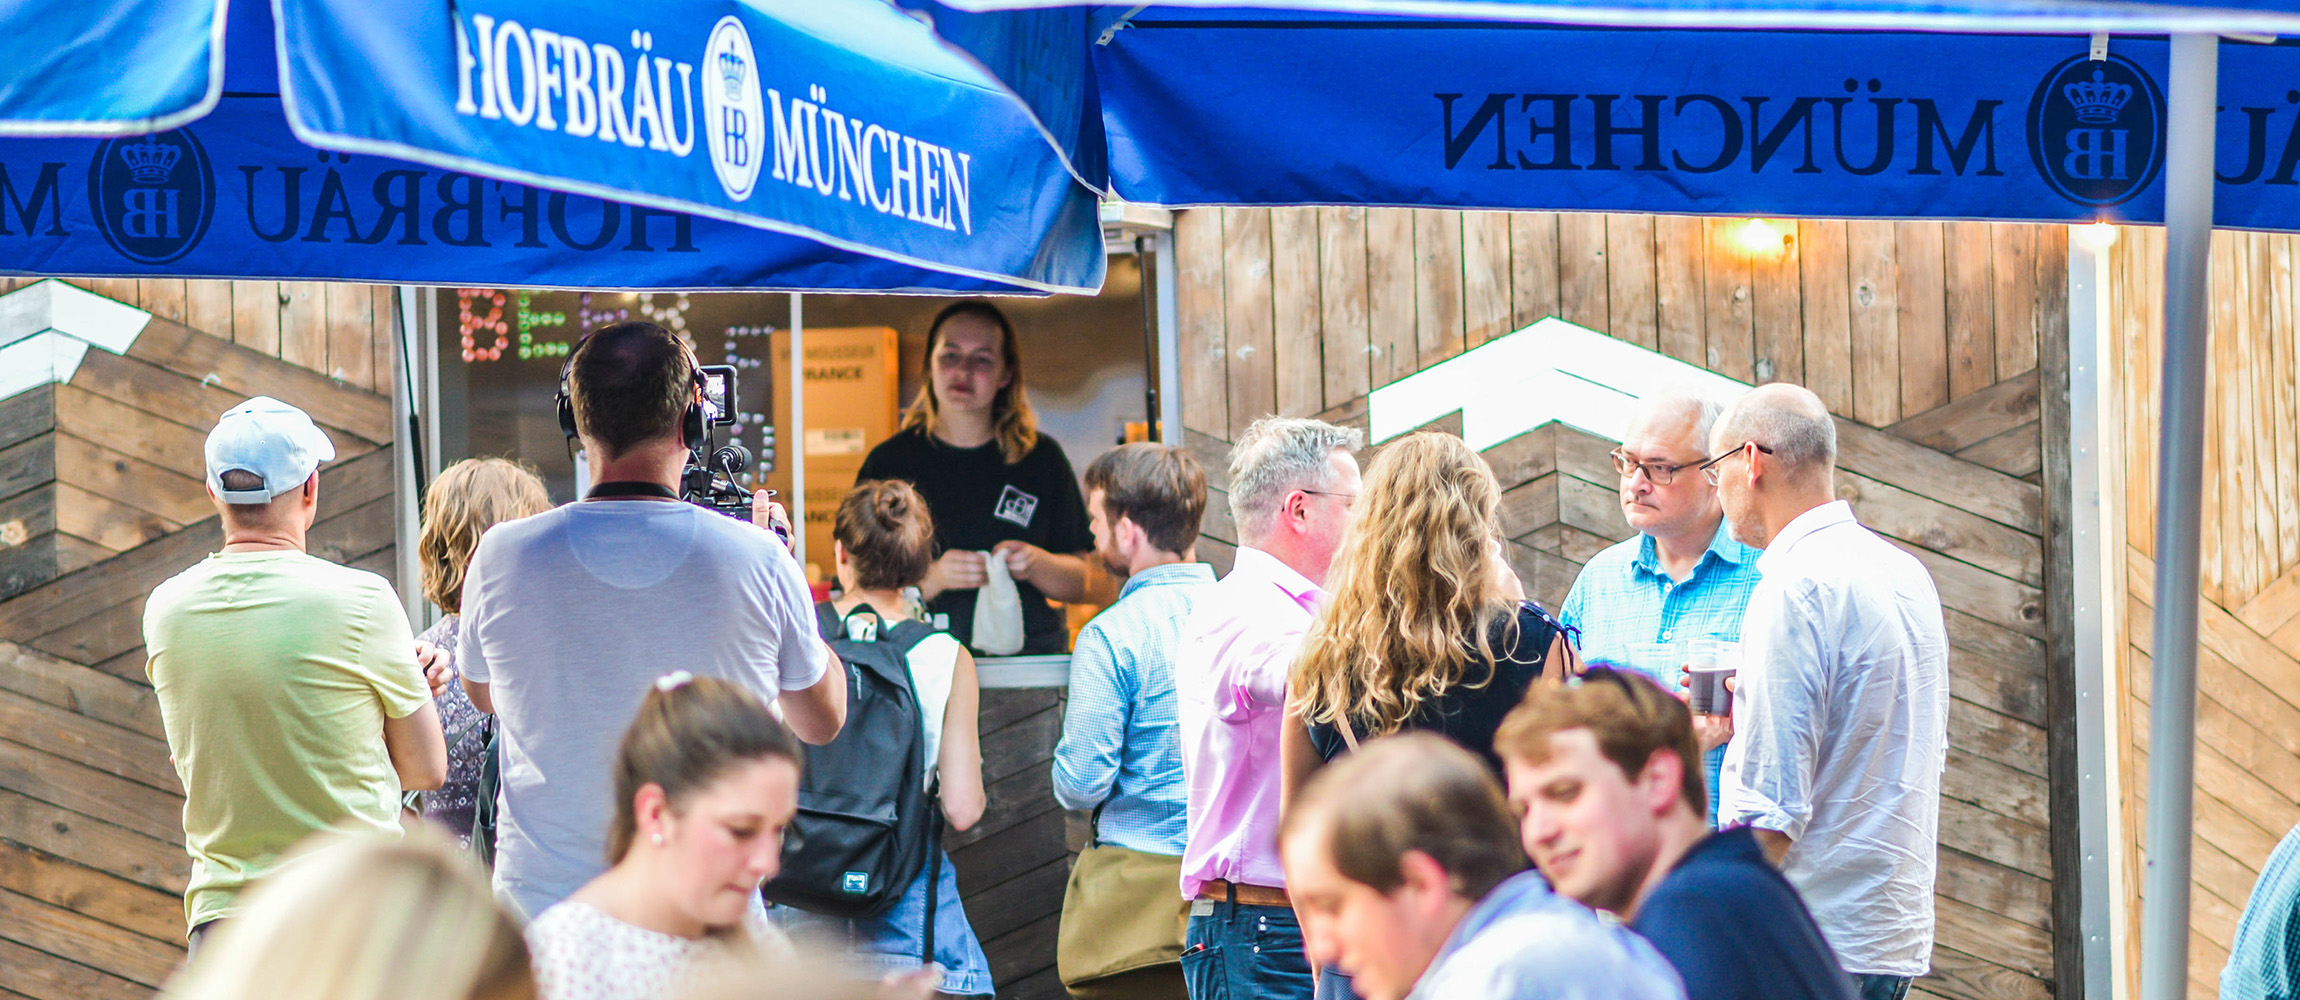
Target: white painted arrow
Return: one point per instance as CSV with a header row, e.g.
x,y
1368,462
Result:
x,y
1552,370
47,327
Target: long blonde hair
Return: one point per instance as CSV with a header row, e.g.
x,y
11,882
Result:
x,y
468,498
1011,417
1413,597
365,918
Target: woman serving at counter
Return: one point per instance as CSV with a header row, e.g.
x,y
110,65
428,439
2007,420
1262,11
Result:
x,y
970,445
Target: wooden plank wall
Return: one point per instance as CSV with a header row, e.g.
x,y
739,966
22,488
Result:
x,y
92,862
1012,865
1923,338
2248,666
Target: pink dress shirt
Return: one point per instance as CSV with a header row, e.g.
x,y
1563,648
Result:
x,y
1230,687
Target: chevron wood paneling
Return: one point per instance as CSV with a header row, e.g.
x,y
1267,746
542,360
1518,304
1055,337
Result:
x,y
2248,669
109,470
1935,383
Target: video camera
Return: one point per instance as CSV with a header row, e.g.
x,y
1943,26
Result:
x,y
709,480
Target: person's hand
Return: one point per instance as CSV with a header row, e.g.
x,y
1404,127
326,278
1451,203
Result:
x,y
958,569
767,513
1022,558
917,984
438,670
1712,731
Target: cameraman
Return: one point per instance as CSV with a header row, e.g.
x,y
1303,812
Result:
x,y
570,614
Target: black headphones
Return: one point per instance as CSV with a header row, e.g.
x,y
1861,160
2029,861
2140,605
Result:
x,y
692,425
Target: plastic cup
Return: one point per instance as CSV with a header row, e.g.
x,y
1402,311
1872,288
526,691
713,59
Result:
x,y
1708,663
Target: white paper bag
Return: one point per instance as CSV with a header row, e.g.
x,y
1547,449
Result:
x,y
997,610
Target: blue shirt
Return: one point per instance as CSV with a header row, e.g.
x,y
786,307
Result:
x,y
1627,607
1631,613
2264,963
1736,930
1523,941
1121,747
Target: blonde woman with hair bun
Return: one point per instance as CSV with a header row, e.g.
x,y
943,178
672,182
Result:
x,y
364,918
1425,626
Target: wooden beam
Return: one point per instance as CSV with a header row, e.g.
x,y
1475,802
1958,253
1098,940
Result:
x,y
1296,311
2042,332
91,893
242,372
107,847
1198,298
81,689
1246,291
1343,333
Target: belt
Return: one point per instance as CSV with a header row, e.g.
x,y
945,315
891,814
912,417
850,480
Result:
x,y
1226,891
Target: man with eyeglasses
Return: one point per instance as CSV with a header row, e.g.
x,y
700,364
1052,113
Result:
x,y
1841,711
1292,483
1682,577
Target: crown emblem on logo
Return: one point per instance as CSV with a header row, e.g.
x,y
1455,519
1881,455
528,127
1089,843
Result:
x,y
151,160
732,70
2097,103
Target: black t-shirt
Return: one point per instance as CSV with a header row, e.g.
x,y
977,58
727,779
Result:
x,y
1470,715
1736,930
978,501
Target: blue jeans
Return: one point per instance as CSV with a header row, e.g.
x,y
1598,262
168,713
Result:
x,y
890,942
1875,987
1241,952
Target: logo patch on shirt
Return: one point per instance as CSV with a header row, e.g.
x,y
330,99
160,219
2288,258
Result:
x,y
1016,506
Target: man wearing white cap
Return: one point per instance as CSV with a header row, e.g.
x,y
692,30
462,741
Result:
x,y
288,684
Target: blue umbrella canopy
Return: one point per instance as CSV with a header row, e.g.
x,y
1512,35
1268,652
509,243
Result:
x,y
819,145
1392,104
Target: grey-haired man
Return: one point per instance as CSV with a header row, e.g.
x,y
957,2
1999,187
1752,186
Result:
x,y
1292,483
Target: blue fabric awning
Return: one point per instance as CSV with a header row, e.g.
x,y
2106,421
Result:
x,y
1259,107
794,144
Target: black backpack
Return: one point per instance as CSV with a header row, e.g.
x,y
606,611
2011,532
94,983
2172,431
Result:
x,y
867,823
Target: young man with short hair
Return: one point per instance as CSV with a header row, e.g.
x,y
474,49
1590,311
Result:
x,y
1405,867
287,684
1614,813
569,615
1120,752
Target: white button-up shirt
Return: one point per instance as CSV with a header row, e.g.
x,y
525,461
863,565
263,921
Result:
x,y
1840,734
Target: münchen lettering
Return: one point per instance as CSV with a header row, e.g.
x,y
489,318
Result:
x,y
1706,133
854,160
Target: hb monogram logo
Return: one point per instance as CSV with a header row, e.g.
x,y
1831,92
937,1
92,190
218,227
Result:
x,y
2095,130
732,108
153,195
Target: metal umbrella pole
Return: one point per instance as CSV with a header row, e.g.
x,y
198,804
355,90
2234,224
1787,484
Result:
x,y
2188,182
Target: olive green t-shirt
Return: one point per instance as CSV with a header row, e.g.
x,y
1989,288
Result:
x,y
275,672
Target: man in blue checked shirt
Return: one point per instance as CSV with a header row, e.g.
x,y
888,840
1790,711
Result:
x,y
1683,577
1120,752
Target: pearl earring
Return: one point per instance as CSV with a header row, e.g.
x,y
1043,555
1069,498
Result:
x,y
657,838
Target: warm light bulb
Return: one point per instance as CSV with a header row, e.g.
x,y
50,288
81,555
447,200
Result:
x,y
1758,238
2099,235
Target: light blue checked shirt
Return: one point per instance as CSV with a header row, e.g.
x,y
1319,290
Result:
x,y
2264,962
1121,748
1631,614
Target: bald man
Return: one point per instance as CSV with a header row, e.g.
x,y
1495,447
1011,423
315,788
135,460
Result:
x,y
1840,715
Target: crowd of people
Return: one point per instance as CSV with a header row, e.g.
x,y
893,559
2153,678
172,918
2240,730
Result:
x,y
1361,763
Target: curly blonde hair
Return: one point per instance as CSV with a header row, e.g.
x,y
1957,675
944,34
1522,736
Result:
x,y
468,498
1414,596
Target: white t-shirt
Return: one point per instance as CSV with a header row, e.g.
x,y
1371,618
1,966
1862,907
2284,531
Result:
x,y
1840,734
569,615
581,953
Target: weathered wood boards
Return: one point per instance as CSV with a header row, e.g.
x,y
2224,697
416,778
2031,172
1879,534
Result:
x,y
106,472
2248,717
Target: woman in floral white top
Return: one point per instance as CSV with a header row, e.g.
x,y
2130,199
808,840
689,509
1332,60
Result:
x,y
704,783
